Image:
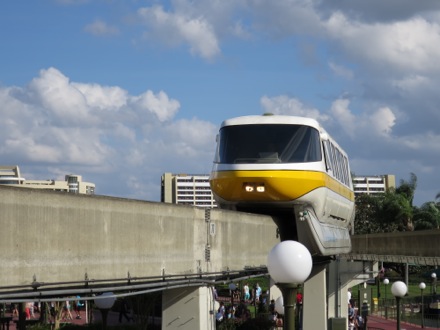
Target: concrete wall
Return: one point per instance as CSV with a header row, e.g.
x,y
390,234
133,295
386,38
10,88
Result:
x,y
61,237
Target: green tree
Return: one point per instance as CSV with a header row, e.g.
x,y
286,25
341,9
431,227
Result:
x,y
397,209
408,188
387,212
427,216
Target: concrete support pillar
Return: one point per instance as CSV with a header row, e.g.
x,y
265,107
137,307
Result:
x,y
188,308
337,291
315,300
407,274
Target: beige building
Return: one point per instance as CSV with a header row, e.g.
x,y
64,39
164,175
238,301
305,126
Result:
x,y
187,189
10,175
373,184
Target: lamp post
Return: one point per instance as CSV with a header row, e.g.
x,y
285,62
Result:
x,y
104,302
399,290
434,285
289,263
422,287
386,282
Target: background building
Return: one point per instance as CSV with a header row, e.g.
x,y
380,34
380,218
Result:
x,y
187,189
373,184
10,175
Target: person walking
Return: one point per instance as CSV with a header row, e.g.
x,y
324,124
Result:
x,y
246,293
123,308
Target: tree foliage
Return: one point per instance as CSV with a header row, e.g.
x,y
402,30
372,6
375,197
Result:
x,y
394,211
427,216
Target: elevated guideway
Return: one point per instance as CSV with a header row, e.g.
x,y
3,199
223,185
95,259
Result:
x,y
416,247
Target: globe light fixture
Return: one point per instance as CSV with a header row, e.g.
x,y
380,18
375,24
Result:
x,y
289,263
422,286
386,282
399,290
105,302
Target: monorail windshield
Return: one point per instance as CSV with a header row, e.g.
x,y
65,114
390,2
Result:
x,y
268,143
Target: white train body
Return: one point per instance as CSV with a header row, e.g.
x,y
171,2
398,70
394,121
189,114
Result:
x,y
268,164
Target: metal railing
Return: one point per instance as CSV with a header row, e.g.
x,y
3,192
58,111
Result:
x,y
411,311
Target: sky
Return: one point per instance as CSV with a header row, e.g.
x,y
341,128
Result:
x,y
122,91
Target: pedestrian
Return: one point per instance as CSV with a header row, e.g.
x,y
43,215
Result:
x,y
364,313
246,293
77,305
27,311
257,292
123,308
67,314
14,310
220,312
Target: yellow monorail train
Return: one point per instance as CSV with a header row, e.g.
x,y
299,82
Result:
x,y
284,164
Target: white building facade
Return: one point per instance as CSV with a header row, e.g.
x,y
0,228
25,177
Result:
x,y
10,175
187,189
374,184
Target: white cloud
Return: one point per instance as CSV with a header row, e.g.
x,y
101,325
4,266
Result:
x,y
101,28
403,45
412,84
159,104
341,71
285,18
374,124
102,97
382,121
342,114
283,105
177,28
65,126
62,101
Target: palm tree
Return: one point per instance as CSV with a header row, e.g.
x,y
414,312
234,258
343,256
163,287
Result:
x,y
437,199
387,212
408,188
427,216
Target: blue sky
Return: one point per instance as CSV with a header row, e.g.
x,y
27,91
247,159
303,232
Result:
x,y
121,91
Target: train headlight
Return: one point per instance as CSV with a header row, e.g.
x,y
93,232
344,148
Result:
x,y
249,188
254,187
261,188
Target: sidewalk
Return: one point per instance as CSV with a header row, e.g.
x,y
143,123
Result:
x,y
380,323
374,322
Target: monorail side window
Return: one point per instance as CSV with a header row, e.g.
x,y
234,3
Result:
x,y
335,162
269,143
327,156
346,173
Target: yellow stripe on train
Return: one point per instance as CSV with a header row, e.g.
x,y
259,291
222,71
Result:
x,y
272,185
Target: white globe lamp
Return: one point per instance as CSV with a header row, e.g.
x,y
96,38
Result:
x,y
289,263
105,302
399,290
386,282
422,286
